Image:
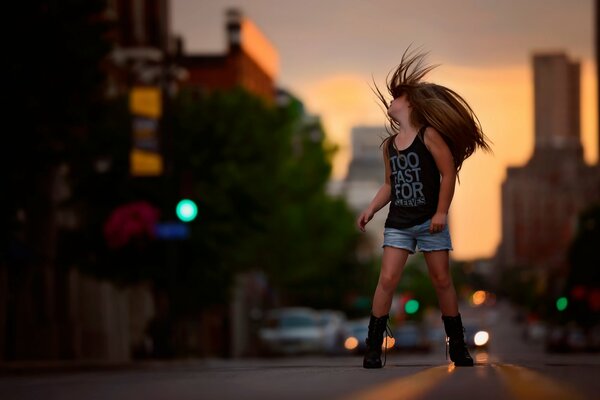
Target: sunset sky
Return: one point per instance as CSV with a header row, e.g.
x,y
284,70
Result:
x,y
330,50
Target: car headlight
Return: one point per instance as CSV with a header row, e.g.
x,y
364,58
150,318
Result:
x,y
351,343
481,338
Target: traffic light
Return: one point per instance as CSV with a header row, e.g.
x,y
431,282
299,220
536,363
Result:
x,y
186,210
562,303
411,306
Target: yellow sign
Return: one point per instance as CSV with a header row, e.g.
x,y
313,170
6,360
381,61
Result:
x,y
145,101
145,163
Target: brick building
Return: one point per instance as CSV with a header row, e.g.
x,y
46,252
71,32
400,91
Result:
x,y
542,199
250,62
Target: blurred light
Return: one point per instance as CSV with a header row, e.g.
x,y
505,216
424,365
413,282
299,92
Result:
x,y
388,342
578,292
145,163
594,300
351,343
482,357
145,101
481,338
411,306
478,298
562,303
186,210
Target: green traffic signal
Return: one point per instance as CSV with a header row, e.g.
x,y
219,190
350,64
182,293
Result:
x,y
186,210
411,306
562,303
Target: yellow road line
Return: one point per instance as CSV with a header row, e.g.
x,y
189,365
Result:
x,y
527,384
408,387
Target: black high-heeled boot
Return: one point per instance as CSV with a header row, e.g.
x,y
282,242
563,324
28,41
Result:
x,y
459,353
377,327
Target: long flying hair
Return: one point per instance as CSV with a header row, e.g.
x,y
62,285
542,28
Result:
x,y
434,105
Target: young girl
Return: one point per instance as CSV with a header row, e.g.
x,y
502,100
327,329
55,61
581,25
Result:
x,y
433,130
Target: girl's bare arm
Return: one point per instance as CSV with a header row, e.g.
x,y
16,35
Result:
x,y
445,163
382,197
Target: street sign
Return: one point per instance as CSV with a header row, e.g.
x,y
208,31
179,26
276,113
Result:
x,y
145,101
171,231
145,105
145,163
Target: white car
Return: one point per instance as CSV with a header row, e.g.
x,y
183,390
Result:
x,y
291,331
333,324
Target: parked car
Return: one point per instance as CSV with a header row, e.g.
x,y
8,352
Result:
x,y
572,338
411,336
356,332
332,322
291,331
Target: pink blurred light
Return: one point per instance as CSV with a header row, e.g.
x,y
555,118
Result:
x,y
133,220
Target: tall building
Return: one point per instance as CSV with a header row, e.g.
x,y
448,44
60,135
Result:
x,y
542,199
367,161
366,173
250,62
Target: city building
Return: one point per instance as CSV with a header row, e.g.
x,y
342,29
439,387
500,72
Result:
x,y
142,44
251,61
542,199
366,174
50,312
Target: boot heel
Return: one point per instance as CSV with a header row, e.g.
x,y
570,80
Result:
x,y
456,346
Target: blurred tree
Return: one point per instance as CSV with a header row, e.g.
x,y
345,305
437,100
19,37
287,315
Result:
x,y
582,286
258,174
312,236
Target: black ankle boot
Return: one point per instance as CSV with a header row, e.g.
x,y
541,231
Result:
x,y
377,326
456,341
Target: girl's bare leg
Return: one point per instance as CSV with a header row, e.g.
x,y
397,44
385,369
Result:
x,y
392,265
438,265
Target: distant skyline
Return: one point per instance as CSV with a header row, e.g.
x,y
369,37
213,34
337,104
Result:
x,y
329,51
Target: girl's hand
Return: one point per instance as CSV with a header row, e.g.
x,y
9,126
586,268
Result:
x,y
364,218
438,222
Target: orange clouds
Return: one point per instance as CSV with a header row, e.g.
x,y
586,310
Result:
x,y
342,101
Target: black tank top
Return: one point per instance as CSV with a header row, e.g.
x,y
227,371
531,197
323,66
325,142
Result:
x,y
415,184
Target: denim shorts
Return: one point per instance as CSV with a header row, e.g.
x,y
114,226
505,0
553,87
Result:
x,y
417,236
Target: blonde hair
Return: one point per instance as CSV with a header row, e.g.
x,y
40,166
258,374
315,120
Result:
x,y
436,106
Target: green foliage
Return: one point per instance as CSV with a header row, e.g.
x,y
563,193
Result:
x,y
258,174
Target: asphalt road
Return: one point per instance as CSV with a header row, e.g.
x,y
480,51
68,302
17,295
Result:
x,y
511,369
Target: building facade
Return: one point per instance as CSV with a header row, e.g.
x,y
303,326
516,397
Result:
x,y
366,174
542,199
250,62
51,310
